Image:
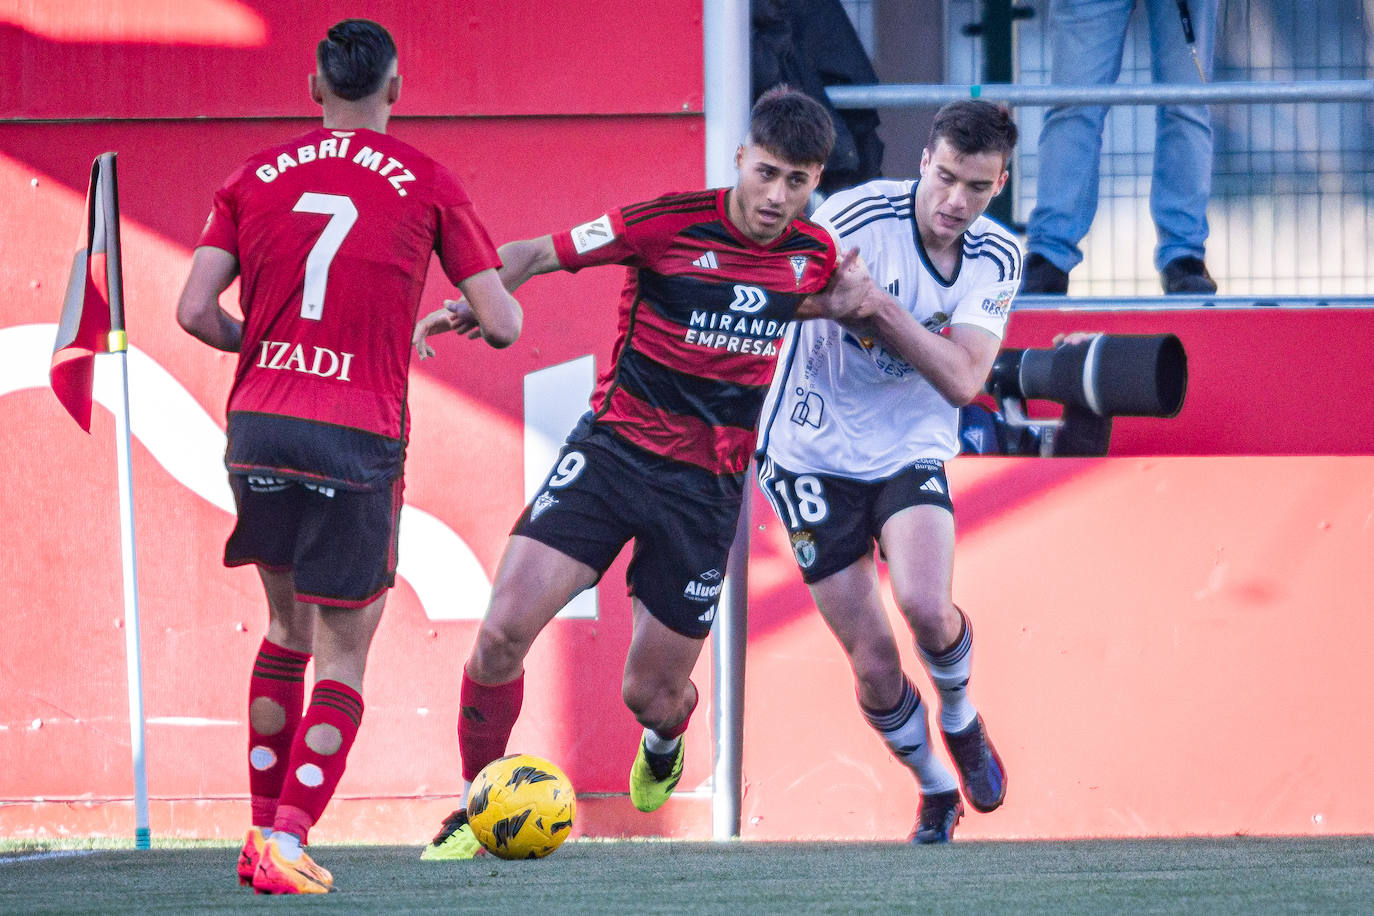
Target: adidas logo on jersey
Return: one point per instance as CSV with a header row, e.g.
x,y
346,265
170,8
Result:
x,y
707,261
933,485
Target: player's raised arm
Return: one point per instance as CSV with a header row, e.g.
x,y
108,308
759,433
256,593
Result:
x,y
520,260
198,310
526,258
497,315
955,365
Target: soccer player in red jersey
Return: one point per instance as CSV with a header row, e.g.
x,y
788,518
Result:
x,y
714,279
330,234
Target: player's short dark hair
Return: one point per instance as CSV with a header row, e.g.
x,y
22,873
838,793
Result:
x,y
354,57
791,124
973,126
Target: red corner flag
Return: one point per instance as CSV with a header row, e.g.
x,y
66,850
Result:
x,y
93,312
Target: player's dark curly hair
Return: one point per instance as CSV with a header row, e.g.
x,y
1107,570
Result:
x,y
792,125
355,58
973,126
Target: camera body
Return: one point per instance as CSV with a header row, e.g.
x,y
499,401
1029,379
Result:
x,y
1105,376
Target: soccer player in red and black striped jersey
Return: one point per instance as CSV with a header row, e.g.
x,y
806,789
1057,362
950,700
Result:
x,y
714,279
331,234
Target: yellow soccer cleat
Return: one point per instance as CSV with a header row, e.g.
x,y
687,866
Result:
x,y
648,790
278,875
249,855
455,840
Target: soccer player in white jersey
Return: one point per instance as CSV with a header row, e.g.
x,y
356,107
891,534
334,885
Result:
x,y
860,420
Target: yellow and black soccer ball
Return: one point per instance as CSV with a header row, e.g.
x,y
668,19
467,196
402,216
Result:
x,y
521,807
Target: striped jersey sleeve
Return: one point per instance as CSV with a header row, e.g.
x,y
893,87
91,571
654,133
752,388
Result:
x,y
699,322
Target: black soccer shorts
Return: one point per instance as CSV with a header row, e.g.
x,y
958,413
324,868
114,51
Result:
x,y
834,521
340,545
593,502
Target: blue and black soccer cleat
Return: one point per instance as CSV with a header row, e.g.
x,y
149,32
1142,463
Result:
x,y
936,817
981,773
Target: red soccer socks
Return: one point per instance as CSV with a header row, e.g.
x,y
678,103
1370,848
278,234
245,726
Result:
x,y
276,695
486,715
318,756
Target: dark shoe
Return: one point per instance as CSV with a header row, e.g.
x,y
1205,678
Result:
x,y
1041,276
980,769
936,817
1187,275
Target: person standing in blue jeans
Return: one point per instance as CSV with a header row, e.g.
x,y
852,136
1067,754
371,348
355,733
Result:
x,y
1087,41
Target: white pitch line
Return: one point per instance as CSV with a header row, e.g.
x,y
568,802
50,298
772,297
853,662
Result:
x,y
57,854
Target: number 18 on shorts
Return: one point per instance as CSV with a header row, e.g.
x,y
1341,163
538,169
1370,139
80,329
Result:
x,y
833,521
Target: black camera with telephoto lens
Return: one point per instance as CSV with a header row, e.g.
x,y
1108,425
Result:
x,y
1104,376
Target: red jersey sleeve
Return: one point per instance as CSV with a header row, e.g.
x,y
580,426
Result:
x,y
604,240
221,229
462,243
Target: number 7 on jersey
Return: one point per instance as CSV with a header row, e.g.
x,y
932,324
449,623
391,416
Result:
x,y
342,215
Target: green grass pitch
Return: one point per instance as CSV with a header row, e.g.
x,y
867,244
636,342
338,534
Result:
x,y
1205,876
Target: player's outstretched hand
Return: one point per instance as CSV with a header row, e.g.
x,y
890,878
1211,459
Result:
x,y
436,322
454,316
848,296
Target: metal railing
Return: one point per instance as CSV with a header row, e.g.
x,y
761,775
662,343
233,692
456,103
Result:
x,y
1184,303
898,95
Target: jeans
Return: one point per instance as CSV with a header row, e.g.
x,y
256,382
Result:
x,y
1087,40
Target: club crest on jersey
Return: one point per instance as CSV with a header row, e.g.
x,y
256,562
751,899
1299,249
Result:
x,y
804,549
543,501
936,322
863,343
798,266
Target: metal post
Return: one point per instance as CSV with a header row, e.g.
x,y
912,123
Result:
x,y
725,26
995,30
133,652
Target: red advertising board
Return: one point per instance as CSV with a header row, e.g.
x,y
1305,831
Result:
x,y
1168,639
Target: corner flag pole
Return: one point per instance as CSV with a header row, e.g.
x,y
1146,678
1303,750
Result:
x,y
133,651
93,322
118,346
